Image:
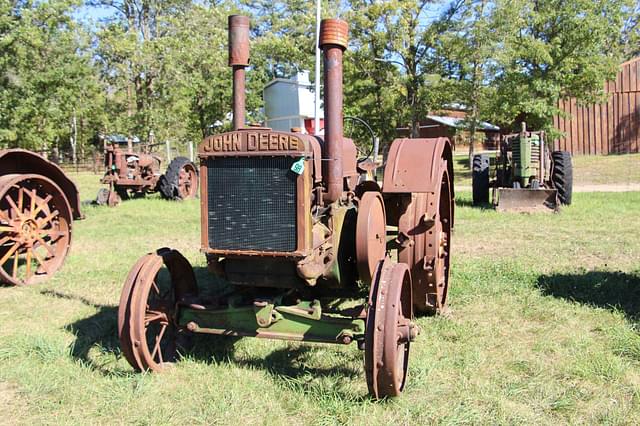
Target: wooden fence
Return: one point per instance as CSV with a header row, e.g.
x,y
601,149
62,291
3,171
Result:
x,y
608,128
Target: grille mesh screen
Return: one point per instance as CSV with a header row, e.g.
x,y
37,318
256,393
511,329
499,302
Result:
x,y
252,203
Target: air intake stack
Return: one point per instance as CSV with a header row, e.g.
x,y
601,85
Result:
x,y
238,60
333,41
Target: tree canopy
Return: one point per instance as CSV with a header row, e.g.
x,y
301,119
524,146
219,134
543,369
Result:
x,y
144,67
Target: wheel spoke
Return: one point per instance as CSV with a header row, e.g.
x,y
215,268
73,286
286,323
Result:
x,y
53,234
13,206
41,206
4,240
32,195
41,262
15,265
148,319
8,254
46,246
6,228
20,199
156,347
28,272
48,218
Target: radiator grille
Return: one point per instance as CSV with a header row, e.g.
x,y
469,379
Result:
x,y
252,203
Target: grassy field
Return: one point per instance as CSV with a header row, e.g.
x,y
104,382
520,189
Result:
x,y
543,328
588,170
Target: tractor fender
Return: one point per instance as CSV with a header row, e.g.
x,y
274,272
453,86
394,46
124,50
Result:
x,y
26,162
413,165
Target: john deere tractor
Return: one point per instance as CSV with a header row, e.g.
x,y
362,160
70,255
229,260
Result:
x,y
528,176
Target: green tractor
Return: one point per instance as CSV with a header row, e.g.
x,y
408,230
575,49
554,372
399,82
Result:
x,y
528,176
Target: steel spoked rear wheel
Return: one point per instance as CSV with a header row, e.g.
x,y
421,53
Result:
x,y
389,330
187,181
427,220
147,325
35,228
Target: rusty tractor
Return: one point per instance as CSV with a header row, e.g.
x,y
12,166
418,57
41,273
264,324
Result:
x,y
38,203
306,249
529,177
130,173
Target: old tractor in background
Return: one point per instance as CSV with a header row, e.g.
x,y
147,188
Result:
x,y
528,176
130,173
300,246
38,203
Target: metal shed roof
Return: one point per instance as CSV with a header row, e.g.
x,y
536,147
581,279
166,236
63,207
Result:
x,y
460,123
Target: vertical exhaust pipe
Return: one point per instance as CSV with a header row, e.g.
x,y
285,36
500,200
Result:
x,y
333,42
238,60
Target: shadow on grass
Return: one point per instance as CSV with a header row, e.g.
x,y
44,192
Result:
x,y
467,202
604,289
99,329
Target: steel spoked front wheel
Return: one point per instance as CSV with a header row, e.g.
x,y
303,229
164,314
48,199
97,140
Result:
x,y
35,228
147,325
389,330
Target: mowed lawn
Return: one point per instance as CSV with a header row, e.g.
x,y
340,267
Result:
x,y
542,328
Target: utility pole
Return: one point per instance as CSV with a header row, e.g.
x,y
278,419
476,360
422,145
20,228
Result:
x,y
316,118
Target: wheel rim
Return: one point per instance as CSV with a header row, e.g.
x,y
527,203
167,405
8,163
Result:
x,y
187,181
371,239
388,331
35,229
146,316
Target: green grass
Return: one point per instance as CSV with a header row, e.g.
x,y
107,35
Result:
x,y
543,328
588,170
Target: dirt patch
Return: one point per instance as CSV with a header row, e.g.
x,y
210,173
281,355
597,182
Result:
x,y
617,187
614,187
10,404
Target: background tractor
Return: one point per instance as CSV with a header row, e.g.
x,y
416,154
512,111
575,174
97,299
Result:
x,y
300,246
38,203
130,173
528,176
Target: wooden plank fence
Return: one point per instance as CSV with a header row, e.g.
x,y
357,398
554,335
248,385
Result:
x,y
608,128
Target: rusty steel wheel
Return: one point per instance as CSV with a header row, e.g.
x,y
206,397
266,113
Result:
x,y
180,181
427,222
187,181
371,232
35,228
389,330
146,315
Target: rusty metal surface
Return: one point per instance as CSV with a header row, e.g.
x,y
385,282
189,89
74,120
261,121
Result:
x,y
425,239
187,181
412,165
332,33
525,200
371,231
146,315
35,228
238,60
16,161
335,32
389,330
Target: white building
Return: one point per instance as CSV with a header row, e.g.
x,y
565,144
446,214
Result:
x,y
289,103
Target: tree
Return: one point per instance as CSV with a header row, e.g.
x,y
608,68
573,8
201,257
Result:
x,y
556,50
470,48
402,36
46,78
